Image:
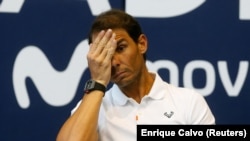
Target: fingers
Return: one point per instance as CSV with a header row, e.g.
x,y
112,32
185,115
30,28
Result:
x,y
101,42
100,55
95,44
111,47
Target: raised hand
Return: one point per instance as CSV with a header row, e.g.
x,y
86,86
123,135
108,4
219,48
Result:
x,y
100,54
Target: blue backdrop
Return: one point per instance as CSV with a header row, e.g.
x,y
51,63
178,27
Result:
x,y
202,44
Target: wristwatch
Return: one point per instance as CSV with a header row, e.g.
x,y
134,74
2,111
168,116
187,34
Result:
x,y
91,85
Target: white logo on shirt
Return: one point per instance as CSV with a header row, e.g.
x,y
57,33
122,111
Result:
x,y
169,115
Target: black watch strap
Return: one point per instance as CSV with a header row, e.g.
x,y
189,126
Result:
x,y
91,85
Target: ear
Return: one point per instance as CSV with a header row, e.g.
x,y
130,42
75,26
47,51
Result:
x,y
142,43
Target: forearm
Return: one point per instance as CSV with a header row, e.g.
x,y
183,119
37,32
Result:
x,y
82,125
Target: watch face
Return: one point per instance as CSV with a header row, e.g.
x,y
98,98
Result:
x,y
92,85
89,85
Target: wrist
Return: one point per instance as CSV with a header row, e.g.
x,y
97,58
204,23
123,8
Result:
x,y
92,85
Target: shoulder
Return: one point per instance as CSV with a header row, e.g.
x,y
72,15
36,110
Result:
x,y
185,95
193,104
182,91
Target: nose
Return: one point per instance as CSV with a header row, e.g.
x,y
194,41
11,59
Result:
x,y
115,60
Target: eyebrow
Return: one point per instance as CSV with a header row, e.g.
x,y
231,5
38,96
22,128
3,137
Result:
x,y
121,40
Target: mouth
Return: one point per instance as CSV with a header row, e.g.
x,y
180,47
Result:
x,y
118,75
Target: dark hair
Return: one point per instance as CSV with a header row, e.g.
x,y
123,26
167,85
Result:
x,y
115,19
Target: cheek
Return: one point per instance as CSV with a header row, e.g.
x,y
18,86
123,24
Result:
x,y
134,59
130,57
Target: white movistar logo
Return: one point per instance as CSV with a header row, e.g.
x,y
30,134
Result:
x,y
56,88
59,88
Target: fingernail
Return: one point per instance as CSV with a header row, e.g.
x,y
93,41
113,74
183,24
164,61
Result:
x,y
109,30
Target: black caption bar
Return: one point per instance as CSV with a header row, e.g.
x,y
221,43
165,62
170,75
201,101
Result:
x,y
204,132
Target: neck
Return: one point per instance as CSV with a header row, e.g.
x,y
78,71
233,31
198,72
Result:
x,y
141,87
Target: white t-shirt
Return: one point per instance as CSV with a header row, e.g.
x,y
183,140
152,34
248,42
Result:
x,y
165,104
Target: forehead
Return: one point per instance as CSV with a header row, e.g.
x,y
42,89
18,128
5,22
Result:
x,y
120,34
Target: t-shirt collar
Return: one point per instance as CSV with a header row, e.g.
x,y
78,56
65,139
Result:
x,y
157,91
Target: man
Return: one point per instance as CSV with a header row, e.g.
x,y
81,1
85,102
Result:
x,y
117,54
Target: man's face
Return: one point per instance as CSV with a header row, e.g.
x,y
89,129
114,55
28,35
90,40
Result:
x,y
127,62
